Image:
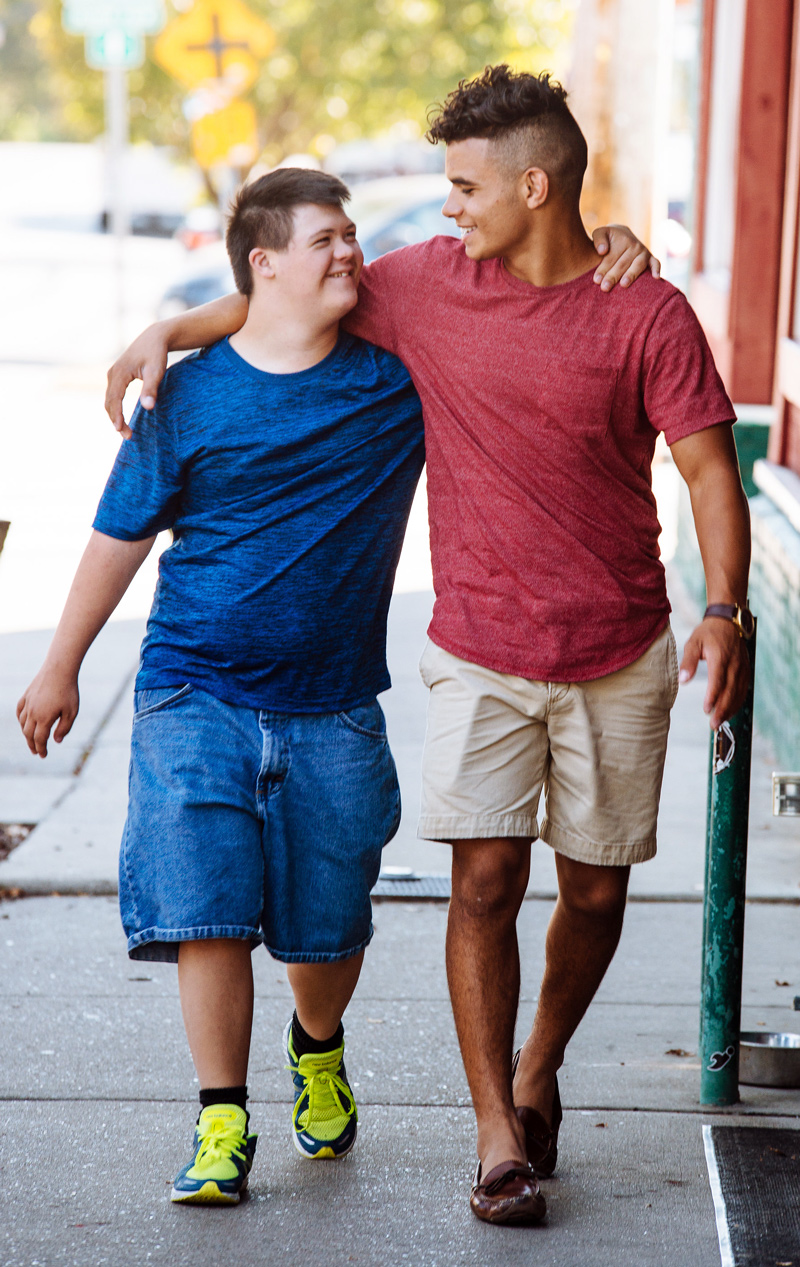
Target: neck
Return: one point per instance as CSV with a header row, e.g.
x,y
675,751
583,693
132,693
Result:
x,y
556,250
283,342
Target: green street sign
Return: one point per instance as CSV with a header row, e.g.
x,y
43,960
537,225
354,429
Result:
x,y
114,48
96,17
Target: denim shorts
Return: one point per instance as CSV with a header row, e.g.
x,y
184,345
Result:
x,y
253,824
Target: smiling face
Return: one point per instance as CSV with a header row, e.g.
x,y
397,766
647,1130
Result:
x,y
487,200
320,268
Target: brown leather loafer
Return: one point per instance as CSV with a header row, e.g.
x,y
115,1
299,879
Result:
x,y
509,1194
541,1140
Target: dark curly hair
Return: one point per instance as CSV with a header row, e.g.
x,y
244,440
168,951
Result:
x,y
526,114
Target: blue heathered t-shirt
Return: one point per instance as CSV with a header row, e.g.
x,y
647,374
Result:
x,y
288,495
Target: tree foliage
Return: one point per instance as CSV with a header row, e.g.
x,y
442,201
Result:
x,y
339,71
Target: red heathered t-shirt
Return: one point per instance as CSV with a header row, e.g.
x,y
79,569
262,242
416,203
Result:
x,y
542,407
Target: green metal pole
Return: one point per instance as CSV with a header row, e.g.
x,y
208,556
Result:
x,y
723,914
711,744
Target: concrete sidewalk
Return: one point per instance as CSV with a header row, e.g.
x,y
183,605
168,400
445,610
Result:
x,y
99,1090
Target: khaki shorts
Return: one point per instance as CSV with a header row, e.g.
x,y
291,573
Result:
x,y
597,748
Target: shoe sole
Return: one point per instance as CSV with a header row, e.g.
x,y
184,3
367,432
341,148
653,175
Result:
x,y
325,1153
523,1219
209,1194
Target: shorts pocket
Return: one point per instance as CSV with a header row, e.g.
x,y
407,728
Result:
x,y
365,719
157,698
672,667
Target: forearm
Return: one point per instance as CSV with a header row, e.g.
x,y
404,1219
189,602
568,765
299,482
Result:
x,y
200,327
708,463
104,573
722,523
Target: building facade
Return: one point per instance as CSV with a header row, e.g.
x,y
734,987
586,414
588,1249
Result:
x,y
745,288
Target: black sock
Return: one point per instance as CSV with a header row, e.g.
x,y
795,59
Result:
x,y
223,1095
305,1045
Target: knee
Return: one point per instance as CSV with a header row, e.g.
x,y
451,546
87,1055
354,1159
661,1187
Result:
x,y
600,897
488,880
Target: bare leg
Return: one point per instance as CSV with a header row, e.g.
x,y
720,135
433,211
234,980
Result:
x,y
489,882
582,937
322,991
216,984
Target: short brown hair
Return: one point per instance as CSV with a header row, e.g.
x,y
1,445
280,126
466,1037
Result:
x,y
527,114
262,214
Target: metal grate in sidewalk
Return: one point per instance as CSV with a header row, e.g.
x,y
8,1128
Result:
x,y
400,884
755,1177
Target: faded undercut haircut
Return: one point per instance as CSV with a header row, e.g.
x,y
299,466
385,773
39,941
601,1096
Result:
x,y
262,214
528,117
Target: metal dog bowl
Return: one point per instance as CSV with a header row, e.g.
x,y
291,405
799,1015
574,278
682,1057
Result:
x,y
769,1060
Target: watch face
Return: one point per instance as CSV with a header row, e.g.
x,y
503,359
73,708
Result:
x,y
746,622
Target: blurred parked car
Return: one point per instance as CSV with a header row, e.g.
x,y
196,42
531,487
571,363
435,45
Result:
x,y
389,213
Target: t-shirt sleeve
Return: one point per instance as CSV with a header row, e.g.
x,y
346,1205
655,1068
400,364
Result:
x,y
142,496
372,318
683,392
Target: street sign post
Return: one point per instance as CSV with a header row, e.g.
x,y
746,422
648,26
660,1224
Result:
x,y
114,48
114,31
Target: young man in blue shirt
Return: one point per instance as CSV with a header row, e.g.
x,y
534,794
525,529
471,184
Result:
x,y
262,789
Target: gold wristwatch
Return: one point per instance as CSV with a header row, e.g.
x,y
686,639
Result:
x,y
741,617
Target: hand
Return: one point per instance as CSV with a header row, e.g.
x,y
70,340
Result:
x,y
719,643
51,697
146,358
626,257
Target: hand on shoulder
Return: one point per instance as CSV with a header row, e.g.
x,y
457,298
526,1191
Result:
x,y
624,257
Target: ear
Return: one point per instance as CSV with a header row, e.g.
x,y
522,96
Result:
x,y
261,262
536,187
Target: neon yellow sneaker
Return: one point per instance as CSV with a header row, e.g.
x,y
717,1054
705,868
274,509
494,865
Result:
x,y
223,1155
325,1117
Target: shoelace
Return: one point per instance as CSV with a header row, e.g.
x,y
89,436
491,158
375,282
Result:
x,y
322,1089
222,1140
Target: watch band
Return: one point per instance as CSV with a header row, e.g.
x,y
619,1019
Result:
x,y
741,617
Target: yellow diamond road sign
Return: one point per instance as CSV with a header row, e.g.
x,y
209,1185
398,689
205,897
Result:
x,y
216,39
227,136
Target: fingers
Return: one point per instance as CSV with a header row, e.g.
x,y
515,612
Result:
x,y
64,726
728,681
36,734
116,386
150,382
733,691
630,265
655,266
36,722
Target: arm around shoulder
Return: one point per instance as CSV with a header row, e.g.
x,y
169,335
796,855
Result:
x,y
146,357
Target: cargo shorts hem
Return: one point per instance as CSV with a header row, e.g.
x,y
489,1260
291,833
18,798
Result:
x,y
473,827
594,852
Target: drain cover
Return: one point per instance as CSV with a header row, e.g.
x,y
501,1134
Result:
x,y
400,884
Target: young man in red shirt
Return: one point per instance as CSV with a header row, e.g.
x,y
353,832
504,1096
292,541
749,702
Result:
x,y
550,660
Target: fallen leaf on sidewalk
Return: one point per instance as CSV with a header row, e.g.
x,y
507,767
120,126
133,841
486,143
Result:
x,y
777,982
679,1051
